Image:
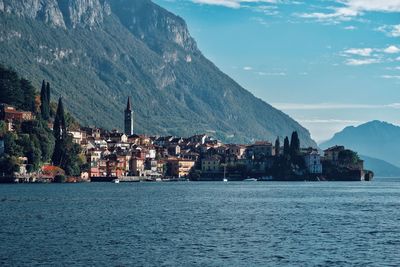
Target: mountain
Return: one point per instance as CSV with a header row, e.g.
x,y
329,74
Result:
x,y
374,139
381,168
96,53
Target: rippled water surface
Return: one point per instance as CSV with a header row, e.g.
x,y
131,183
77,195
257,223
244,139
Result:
x,y
201,224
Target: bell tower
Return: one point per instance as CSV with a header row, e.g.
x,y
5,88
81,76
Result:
x,y
128,118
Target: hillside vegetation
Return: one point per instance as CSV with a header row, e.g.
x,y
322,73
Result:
x,y
97,53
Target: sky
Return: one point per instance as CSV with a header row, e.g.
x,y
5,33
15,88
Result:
x,y
327,63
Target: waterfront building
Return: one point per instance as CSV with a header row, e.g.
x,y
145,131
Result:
x,y
211,164
137,166
180,167
332,153
236,150
260,149
313,162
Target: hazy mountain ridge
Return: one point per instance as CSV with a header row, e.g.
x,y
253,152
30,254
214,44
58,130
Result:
x,y
381,168
374,139
96,53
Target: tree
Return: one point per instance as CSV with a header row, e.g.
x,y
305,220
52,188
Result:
x,y
294,144
286,147
277,146
3,128
348,157
29,95
48,94
73,162
38,130
66,153
9,165
60,128
12,148
60,135
16,91
45,102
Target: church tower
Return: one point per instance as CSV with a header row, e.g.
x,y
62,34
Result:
x,y
129,118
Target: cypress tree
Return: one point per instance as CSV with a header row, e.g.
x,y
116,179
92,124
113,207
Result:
x,y
66,153
277,147
294,144
60,134
44,107
60,128
286,147
48,94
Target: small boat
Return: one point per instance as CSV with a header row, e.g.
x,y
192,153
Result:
x,y
250,180
115,181
225,180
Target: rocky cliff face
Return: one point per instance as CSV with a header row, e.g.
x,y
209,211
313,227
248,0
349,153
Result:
x,y
59,13
96,53
153,24
44,10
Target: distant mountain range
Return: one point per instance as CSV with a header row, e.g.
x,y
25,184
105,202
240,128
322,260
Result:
x,y
96,53
375,140
381,168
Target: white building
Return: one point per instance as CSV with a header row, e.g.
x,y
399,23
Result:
x,y
78,136
313,162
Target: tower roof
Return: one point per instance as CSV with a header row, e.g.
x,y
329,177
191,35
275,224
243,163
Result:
x,y
129,105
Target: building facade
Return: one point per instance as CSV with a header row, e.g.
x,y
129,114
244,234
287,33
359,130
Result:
x,y
313,162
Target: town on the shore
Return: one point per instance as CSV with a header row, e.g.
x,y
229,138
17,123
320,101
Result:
x,y
107,156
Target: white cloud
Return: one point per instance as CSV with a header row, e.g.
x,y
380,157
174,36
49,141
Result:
x,y
392,50
392,68
390,30
269,10
247,68
365,52
271,73
350,28
260,21
360,62
350,9
373,5
233,3
397,77
367,56
339,14
332,106
226,3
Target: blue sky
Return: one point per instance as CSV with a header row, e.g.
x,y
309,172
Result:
x,y
328,64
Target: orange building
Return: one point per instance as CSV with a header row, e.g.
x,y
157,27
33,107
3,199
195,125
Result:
x,y
10,113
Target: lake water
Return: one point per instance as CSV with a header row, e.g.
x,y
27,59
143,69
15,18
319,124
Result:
x,y
201,224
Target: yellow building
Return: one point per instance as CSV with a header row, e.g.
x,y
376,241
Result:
x,y
180,167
